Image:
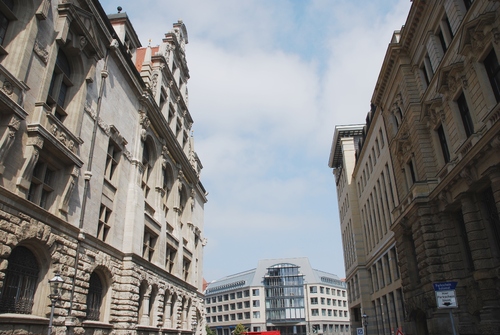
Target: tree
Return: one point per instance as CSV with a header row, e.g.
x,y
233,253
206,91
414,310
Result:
x,y
239,330
209,331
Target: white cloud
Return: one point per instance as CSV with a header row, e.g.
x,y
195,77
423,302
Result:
x,y
269,81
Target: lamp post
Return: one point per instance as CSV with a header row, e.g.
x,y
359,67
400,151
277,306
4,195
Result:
x,y
55,294
194,324
365,322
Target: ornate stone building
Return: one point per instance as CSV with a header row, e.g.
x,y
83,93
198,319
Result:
x,y
438,93
99,180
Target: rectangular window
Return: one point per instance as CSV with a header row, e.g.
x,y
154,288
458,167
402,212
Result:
x,y
256,315
186,267
444,144
103,224
170,259
314,312
255,292
148,246
256,303
465,115
112,158
493,71
42,181
314,301
313,289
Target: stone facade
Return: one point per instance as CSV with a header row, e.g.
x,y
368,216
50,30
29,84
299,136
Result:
x,y
438,93
99,180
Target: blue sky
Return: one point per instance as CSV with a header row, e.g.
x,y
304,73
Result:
x,y
270,79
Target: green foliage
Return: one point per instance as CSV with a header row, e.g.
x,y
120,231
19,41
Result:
x,y
239,330
209,331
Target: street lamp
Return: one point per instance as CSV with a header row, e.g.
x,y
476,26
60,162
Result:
x,y
55,294
194,324
365,322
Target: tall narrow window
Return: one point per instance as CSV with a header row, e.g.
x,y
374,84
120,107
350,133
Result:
x,y
6,15
149,244
493,71
146,162
103,225
59,85
94,297
20,282
41,190
444,145
112,158
465,115
170,258
186,266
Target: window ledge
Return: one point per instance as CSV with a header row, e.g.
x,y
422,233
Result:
x,y
27,319
97,324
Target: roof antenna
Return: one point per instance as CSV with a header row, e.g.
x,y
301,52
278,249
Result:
x,y
119,9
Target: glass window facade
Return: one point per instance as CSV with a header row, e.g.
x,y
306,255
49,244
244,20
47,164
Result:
x,y
284,287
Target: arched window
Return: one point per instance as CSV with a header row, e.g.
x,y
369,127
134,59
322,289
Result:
x,y
94,297
59,85
20,282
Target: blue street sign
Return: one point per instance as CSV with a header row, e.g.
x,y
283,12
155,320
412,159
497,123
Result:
x,y
445,286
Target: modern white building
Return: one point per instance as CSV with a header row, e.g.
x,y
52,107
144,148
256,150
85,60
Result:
x,y
280,294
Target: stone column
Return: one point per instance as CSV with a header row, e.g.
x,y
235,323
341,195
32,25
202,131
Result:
x,y
145,307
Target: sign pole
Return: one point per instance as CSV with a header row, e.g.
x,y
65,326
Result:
x,y
452,323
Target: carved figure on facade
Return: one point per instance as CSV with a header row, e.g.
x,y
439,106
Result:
x,y
31,158
68,190
145,123
8,139
41,52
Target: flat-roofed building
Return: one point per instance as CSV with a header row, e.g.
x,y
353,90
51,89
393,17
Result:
x,y
280,294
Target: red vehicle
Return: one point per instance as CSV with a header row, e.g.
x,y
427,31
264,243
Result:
x,y
270,332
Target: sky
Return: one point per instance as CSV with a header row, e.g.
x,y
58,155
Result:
x,y
270,80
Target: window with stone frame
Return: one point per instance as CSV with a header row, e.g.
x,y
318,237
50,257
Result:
x,y
149,244
147,164
103,226
41,191
94,297
112,160
171,256
20,283
60,85
493,70
186,267
427,70
444,33
465,115
168,180
6,16
445,151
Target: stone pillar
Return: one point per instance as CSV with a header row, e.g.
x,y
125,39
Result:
x,y
145,307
